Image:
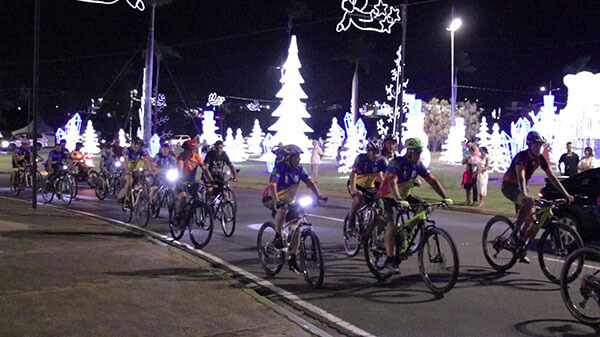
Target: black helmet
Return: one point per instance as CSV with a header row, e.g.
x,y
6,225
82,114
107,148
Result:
x,y
291,150
78,144
373,146
535,137
390,137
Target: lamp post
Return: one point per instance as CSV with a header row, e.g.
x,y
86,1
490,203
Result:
x,y
454,26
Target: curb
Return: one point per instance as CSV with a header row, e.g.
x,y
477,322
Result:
x,y
309,309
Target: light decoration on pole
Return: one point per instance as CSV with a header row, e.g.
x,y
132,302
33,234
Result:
x,y
335,138
290,128
268,156
356,142
209,128
518,135
365,16
253,106
452,147
393,91
154,145
90,139
70,132
415,126
255,140
122,138
499,150
215,100
135,4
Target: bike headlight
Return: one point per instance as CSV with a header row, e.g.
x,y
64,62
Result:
x,y
65,167
305,201
141,169
5,143
172,175
121,159
89,162
118,164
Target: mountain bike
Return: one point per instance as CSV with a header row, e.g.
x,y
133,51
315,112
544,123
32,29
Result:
x,y
582,297
21,179
555,243
196,217
59,184
136,205
165,195
223,208
364,217
437,254
109,182
296,232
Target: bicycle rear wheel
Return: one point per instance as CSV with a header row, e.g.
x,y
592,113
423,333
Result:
x,y
375,255
227,210
48,192
201,224
101,189
271,258
311,259
555,244
351,237
580,296
67,191
92,178
496,248
40,181
15,183
438,260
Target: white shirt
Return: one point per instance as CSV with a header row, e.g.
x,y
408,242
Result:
x,y
317,153
587,163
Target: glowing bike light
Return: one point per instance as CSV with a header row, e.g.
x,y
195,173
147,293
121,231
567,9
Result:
x,y
65,167
172,175
305,201
89,162
121,159
118,164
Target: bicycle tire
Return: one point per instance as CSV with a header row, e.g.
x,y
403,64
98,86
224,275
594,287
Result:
x,y
73,182
15,184
498,244
227,220
352,240
374,250
48,192
101,188
311,253
232,198
67,193
265,249
92,178
576,307
200,223
440,259
569,241
143,208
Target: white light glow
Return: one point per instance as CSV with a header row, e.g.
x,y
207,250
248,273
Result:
x,y
268,157
118,164
215,100
335,138
135,4
455,25
90,139
305,201
122,138
253,106
154,145
209,128
365,16
89,163
255,139
356,141
71,132
172,175
452,148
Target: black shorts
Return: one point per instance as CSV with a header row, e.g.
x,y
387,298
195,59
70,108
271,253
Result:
x,y
511,191
468,186
292,210
390,207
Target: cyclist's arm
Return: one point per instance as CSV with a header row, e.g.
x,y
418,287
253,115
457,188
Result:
x,y
521,181
233,171
206,171
437,187
126,163
313,187
273,192
353,183
149,162
393,185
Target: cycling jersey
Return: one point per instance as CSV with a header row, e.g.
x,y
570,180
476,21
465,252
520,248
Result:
x,y
528,162
287,180
189,166
23,154
367,171
165,161
109,158
58,157
135,158
216,163
406,172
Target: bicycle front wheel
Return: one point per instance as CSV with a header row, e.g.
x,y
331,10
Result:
x,y
496,248
375,255
271,258
101,188
311,259
227,210
555,244
351,237
48,192
438,260
92,178
15,183
581,296
67,191
201,226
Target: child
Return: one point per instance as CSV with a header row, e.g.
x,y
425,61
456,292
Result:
x,y
467,182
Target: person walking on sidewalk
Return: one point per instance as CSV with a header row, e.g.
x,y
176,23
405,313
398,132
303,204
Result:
x,y
315,159
483,175
569,161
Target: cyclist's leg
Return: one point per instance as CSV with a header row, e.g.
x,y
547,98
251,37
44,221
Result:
x,y
357,202
524,217
390,215
125,190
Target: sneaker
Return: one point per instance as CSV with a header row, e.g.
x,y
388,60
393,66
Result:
x,y
391,266
278,241
293,265
525,259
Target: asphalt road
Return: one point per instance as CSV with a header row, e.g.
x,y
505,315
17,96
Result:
x,y
521,302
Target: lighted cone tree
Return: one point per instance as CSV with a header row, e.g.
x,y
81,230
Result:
x,y
209,128
452,149
335,138
483,136
290,128
122,138
90,139
499,151
255,140
240,145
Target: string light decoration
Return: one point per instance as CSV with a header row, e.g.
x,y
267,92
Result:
x,y
356,142
135,4
154,145
335,138
253,106
215,100
255,140
483,136
363,15
90,139
240,145
499,150
392,92
70,132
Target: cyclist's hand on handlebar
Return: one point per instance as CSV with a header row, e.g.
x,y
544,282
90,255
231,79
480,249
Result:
x,y
448,202
570,198
403,204
280,204
321,200
356,192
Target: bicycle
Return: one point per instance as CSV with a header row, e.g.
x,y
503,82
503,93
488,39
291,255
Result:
x,y
136,205
555,243
21,179
582,299
60,184
109,182
435,246
223,208
295,228
196,217
165,194
365,215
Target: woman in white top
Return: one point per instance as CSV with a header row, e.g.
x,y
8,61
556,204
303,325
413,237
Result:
x,y
315,160
483,175
588,162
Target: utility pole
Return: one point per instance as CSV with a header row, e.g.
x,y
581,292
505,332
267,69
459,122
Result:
x,y
36,62
147,89
400,119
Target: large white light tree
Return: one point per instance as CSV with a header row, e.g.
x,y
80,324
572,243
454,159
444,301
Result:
x,y
90,139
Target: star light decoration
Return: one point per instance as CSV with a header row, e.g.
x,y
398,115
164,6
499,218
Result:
x,y
364,16
135,4
253,106
215,100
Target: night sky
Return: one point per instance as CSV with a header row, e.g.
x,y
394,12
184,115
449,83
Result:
x,y
234,47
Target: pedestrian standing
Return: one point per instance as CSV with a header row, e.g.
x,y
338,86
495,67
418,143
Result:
x,y
588,162
471,156
467,182
315,160
483,175
569,161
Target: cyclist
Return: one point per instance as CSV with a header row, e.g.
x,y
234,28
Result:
x,y
56,159
188,162
77,156
107,158
368,167
395,191
135,158
20,159
389,148
281,191
514,184
163,160
216,159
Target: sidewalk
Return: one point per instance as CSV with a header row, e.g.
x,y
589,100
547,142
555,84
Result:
x,y
67,275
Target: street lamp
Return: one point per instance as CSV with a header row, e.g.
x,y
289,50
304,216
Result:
x,y
454,26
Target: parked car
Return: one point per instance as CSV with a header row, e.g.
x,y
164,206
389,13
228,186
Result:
x,y
16,141
178,140
584,213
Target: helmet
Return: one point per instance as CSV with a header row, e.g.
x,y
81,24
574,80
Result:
x,y
535,137
190,144
373,146
291,150
412,144
78,144
137,140
164,144
390,138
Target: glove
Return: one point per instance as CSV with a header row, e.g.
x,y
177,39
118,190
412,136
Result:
x,y
448,201
403,204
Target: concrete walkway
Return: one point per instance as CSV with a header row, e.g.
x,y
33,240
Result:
x,y
62,274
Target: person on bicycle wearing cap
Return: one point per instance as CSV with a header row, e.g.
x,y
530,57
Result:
x,y
389,148
21,158
395,191
281,191
216,160
368,167
514,184
188,162
135,159
107,158
163,160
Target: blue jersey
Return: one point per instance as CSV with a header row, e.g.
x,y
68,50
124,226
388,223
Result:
x,y
165,161
406,172
109,158
287,180
58,157
367,171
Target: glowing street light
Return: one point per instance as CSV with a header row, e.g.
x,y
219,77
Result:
x,y
454,26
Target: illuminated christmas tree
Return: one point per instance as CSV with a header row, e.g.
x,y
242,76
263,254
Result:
x,y
255,140
122,138
335,138
240,145
209,128
90,139
499,150
452,150
290,128
483,136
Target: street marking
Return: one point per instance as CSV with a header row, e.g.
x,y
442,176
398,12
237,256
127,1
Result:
x,y
255,226
326,217
562,261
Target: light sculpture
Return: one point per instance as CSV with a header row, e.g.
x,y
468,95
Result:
x,y
268,156
415,126
240,145
215,100
499,150
364,15
135,4
452,147
122,138
335,138
253,106
483,136
230,147
393,91
255,140
356,141
90,139
154,145
70,132
209,128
